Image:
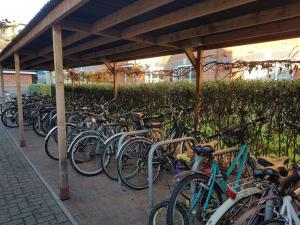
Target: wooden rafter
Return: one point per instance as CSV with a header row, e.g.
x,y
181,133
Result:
x,y
248,20
200,9
121,15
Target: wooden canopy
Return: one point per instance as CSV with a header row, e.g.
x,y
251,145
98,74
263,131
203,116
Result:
x,y
74,33
98,31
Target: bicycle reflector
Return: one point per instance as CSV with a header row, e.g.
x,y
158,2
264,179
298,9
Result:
x,y
231,193
206,171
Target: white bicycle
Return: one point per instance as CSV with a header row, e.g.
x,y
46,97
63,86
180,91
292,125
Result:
x,y
257,202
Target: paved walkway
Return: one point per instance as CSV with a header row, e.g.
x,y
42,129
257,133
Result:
x,y
24,198
94,200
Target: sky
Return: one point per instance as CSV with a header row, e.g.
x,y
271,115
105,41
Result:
x,y
20,10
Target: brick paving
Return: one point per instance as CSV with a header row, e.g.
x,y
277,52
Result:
x,y
94,200
24,198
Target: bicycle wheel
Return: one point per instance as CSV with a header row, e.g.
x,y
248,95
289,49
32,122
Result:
x,y
242,212
253,216
192,192
133,163
51,141
37,124
49,121
108,158
158,214
85,155
9,117
28,115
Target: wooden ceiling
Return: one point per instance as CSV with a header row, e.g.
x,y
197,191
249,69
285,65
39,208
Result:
x,y
99,31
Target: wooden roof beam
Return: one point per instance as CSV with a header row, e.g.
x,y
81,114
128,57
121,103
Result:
x,y
115,50
112,33
254,40
200,9
251,33
137,8
133,10
266,16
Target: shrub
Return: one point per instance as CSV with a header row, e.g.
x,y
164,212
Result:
x,y
223,103
42,89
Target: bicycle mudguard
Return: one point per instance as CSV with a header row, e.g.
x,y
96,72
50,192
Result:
x,y
229,203
54,128
90,132
112,137
124,143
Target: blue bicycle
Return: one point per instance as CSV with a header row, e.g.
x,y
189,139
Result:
x,y
203,191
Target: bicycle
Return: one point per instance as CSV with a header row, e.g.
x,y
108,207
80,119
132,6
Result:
x,y
132,159
271,197
202,192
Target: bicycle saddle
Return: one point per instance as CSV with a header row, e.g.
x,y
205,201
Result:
x,y
274,172
139,115
268,161
207,148
153,124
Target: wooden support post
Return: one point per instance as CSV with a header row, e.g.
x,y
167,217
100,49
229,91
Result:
x,y
116,81
60,107
113,69
2,84
19,100
199,87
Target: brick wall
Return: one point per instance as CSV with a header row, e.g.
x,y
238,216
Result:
x,y
10,82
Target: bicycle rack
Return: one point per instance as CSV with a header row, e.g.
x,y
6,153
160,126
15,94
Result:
x,y
150,159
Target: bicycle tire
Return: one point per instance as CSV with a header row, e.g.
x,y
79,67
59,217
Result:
x,y
37,124
108,158
48,138
28,115
156,210
4,117
181,185
78,157
81,134
237,214
127,179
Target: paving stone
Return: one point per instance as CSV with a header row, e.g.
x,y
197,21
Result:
x,y
24,199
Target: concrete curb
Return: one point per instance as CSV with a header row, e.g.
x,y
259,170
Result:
x,y
56,198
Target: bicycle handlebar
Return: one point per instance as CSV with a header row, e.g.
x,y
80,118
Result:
x,y
233,129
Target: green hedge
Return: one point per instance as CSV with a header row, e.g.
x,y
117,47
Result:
x,y
223,103
42,89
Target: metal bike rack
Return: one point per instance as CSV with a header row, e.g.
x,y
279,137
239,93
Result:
x,y
150,159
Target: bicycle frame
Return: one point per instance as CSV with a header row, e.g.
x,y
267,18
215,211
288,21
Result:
x,y
287,211
229,203
239,160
